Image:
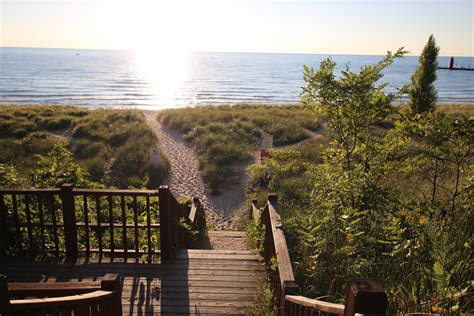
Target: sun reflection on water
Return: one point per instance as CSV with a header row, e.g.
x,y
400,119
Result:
x,y
165,71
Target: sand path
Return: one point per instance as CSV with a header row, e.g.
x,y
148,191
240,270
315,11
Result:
x,y
186,180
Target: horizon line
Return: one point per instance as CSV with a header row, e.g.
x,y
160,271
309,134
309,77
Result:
x,y
230,52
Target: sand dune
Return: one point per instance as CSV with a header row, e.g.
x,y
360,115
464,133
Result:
x,y
186,180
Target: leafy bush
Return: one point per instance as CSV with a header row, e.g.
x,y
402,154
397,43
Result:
x,y
8,176
58,168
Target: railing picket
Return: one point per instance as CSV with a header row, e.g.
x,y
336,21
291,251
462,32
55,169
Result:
x,y
111,224
135,220
55,227
165,231
4,216
17,221
148,225
124,226
28,221
41,220
86,225
99,228
69,220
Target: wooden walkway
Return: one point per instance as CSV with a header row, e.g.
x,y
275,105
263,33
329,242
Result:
x,y
191,282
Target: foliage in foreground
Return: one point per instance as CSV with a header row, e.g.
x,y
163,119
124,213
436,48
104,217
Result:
x,y
354,211
226,135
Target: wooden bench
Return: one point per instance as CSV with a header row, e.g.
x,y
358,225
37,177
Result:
x,y
62,298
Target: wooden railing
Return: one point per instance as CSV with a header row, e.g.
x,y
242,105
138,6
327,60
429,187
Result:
x,y
173,233
364,296
62,298
126,223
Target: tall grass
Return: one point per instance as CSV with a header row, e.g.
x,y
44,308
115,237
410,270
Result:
x,y
226,135
113,145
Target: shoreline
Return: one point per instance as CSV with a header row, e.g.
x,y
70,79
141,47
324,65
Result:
x,y
165,107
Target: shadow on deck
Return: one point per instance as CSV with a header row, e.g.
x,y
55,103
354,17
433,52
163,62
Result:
x,y
190,282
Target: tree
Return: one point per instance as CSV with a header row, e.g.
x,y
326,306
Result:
x,y
341,232
352,103
423,94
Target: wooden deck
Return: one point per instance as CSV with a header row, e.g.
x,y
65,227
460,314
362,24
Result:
x,y
190,282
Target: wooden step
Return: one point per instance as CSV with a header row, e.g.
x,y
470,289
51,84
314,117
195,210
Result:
x,y
192,281
224,240
226,233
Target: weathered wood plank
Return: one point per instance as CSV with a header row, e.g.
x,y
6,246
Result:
x,y
164,278
319,305
201,284
285,269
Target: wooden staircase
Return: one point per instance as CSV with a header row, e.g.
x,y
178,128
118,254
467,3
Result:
x,y
190,282
216,282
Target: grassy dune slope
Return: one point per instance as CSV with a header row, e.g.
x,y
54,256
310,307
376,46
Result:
x,y
112,145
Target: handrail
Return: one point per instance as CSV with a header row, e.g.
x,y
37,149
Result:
x,y
362,295
51,289
115,192
27,190
275,248
51,302
331,308
285,269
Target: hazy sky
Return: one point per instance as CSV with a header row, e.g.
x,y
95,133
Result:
x,y
345,27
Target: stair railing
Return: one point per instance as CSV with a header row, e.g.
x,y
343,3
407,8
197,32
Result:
x,y
74,221
363,295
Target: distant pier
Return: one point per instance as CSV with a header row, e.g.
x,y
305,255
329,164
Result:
x,y
451,66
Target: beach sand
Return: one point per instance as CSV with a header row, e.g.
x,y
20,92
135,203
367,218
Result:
x,y
186,180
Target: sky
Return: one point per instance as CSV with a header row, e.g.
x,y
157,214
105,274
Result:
x,y
280,26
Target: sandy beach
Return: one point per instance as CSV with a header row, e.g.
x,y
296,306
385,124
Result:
x,y
185,178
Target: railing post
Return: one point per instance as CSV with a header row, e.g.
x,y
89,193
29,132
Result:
x,y
165,231
5,308
111,282
69,217
254,205
198,222
273,199
365,296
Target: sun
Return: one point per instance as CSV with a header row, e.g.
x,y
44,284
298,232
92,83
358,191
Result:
x,y
159,35
164,69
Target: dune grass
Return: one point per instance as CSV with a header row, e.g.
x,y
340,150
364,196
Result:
x,y
112,145
226,135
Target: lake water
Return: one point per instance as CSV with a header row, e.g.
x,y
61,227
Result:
x,y
107,78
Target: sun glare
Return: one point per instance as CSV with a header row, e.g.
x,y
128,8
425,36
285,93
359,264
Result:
x,y
162,49
165,69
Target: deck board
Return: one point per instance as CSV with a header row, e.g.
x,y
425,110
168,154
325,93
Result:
x,y
218,282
